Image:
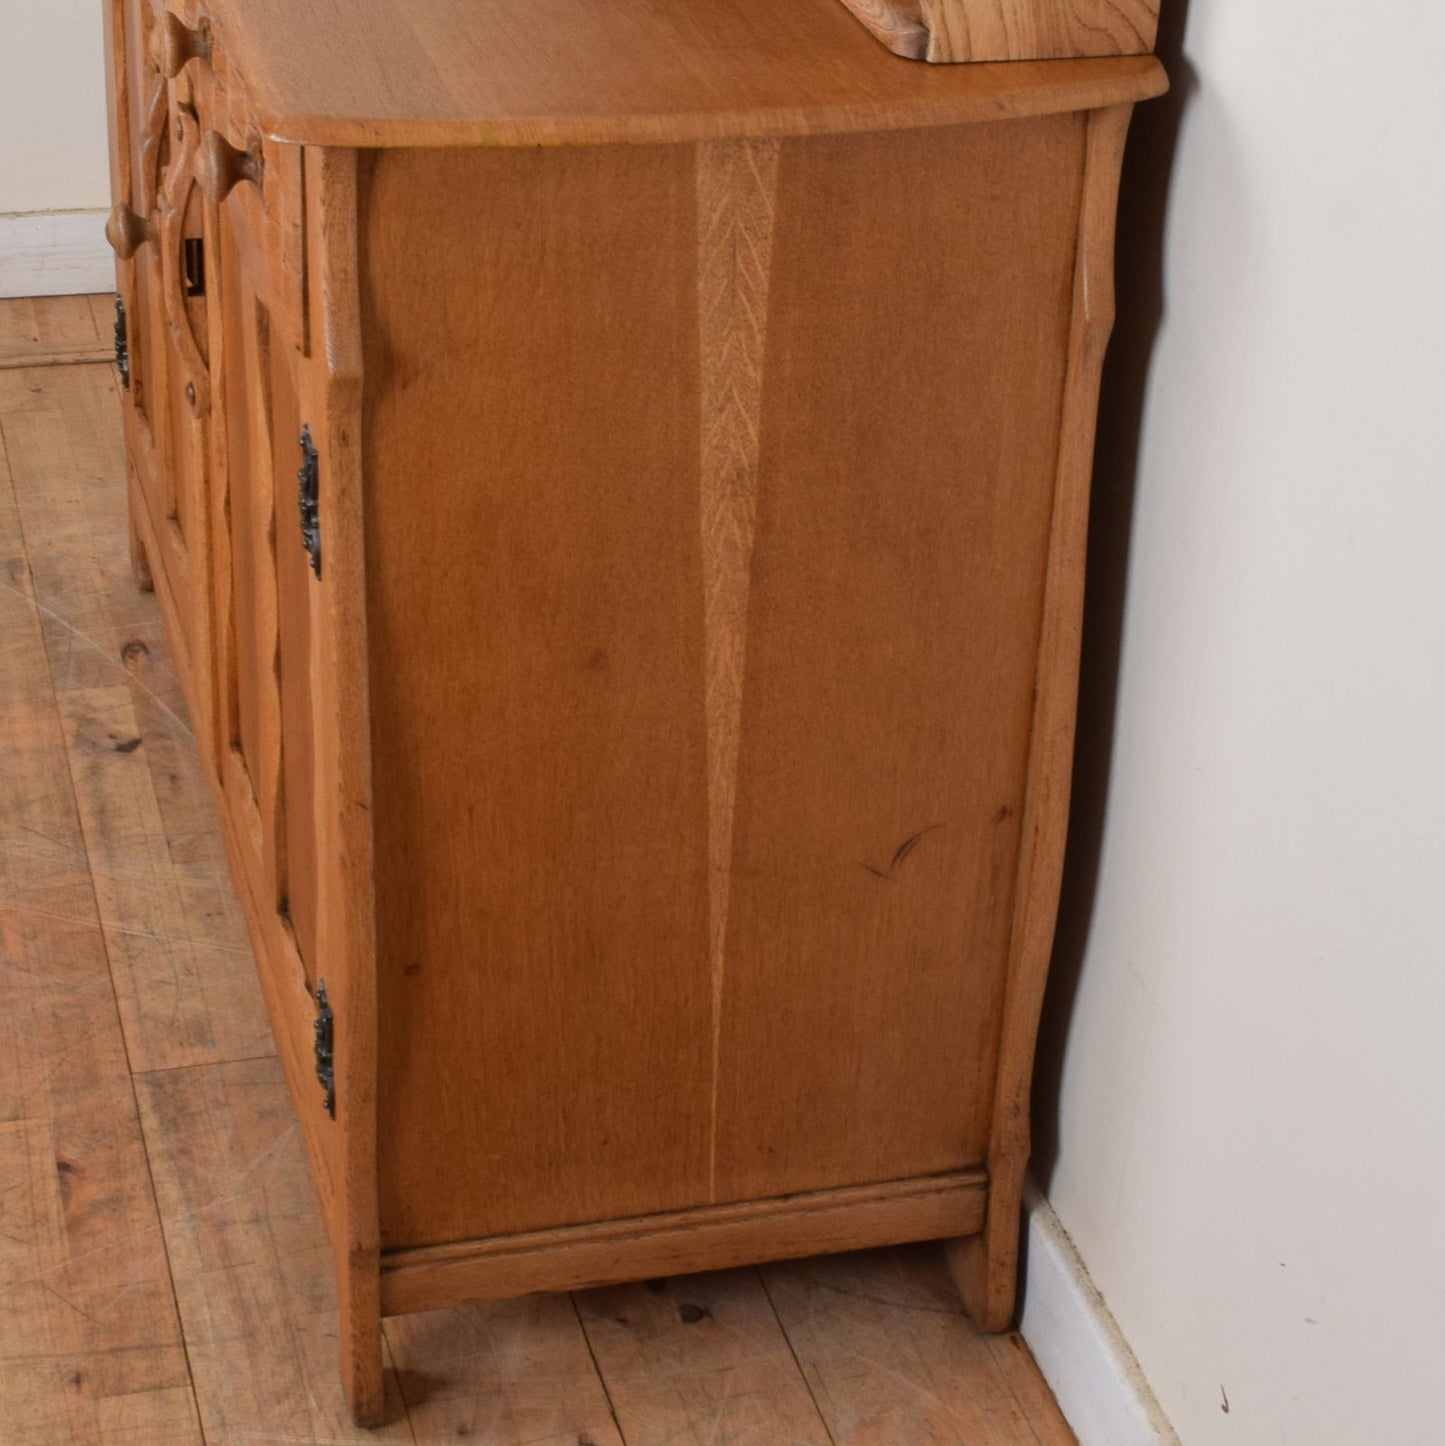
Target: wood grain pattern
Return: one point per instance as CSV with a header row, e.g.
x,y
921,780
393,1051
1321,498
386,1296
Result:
x,y
899,24
944,31
59,442
499,1373
736,181
699,1360
89,1320
79,1230
183,999
43,331
252,1262
897,579
986,1267
681,1242
1038,29
678,900
886,1349
343,801
538,627
572,72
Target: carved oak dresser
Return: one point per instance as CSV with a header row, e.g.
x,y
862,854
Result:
x,y
615,476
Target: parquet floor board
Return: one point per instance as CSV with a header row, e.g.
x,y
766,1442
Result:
x,y
164,1279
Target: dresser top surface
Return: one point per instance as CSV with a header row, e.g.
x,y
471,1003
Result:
x,y
568,72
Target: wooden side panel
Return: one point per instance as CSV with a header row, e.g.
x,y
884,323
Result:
x,y
986,1266
704,671
535,594
917,322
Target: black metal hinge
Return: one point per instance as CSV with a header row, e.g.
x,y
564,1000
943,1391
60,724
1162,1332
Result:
x,y
122,344
325,1028
310,479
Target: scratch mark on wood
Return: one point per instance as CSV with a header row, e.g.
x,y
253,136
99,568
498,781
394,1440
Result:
x,y
900,855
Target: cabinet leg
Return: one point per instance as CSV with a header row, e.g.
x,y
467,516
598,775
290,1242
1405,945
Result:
x,y
361,1371
140,565
358,1292
985,1267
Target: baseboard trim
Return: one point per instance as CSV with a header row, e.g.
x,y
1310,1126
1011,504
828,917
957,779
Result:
x,y
706,1237
1077,1343
54,253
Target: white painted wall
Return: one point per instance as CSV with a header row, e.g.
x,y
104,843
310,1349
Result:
x,y
52,106
1249,1148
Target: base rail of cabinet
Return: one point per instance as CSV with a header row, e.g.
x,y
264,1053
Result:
x,y
712,1237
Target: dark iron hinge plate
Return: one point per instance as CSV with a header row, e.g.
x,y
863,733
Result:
x,y
310,478
122,344
325,1027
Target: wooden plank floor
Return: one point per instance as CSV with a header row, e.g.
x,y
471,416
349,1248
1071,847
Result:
x,y
163,1276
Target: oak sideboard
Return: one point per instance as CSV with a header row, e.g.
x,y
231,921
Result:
x,y
615,477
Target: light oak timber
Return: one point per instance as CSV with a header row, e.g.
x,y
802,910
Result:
x,y
165,914
41,330
511,73
89,1321
881,1337
60,443
181,1001
247,1239
342,735
944,31
681,1242
617,760
736,205
986,1266
502,1372
699,1360
62,355
252,1263
571,563
893,584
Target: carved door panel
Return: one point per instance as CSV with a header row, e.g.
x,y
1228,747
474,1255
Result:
x,y
181,389
158,227
140,157
261,604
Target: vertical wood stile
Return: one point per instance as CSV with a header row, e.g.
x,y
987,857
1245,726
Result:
x,y
736,197
346,925
986,1265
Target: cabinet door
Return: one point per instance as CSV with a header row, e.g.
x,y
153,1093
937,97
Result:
x,y
261,603
139,159
159,227
183,392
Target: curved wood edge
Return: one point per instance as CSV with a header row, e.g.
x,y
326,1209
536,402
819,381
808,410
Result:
x,y
985,1266
331,405
898,24
1009,90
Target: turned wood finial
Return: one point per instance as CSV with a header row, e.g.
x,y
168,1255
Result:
x,y
173,43
126,231
219,166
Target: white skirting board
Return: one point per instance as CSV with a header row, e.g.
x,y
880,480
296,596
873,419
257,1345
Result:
x,y
54,253
1077,1344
